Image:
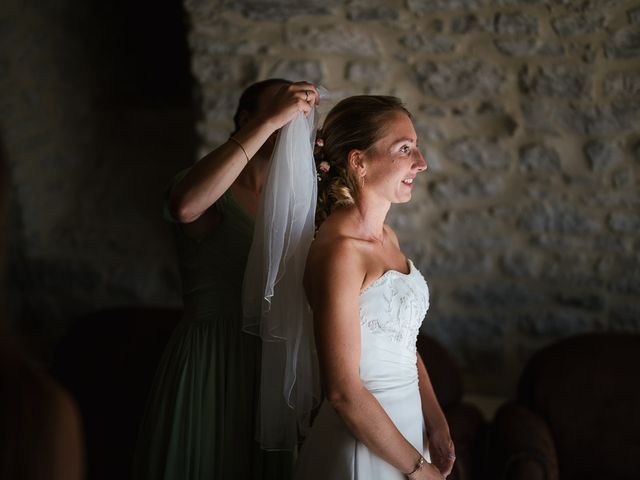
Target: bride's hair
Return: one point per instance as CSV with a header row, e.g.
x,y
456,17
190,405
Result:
x,y
354,123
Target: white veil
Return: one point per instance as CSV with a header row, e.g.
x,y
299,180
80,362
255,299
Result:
x,y
273,298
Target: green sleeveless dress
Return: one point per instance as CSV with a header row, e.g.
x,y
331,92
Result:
x,y
200,420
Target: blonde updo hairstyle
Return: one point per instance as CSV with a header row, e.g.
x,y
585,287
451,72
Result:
x,y
355,123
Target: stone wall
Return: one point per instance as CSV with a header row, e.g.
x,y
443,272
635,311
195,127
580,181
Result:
x,y
526,224
93,125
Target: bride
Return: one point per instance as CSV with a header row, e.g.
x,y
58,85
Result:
x,y
380,414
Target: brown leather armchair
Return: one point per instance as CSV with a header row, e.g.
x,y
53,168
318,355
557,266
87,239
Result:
x,y
467,425
576,415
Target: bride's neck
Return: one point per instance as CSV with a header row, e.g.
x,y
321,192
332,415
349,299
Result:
x,y
369,220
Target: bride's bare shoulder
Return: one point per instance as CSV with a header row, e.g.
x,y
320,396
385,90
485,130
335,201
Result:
x,y
332,247
333,250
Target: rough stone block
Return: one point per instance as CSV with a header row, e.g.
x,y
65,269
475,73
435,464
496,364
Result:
x,y
556,217
496,124
583,301
555,81
470,23
488,107
436,111
477,340
602,155
558,323
367,72
625,113
459,79
477,154
619,84
220,104
210,70
578,23
628,284
600,198
204,44
508,3
622,178
539,158
366,11
406,217
280,10
634,16
625,222
521,264
472,231
622,273
528,47
568,270
428,43
432,6
587,52
596,242
516,24
339,39
497,295
625,318
613,118
428,130
623,44
298,70
456,263
456,189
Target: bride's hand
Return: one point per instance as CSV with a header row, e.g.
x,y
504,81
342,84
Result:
x,y
427,472
288,101
441,449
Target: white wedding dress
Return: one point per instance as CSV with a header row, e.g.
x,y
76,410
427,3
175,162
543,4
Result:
x,y
391,311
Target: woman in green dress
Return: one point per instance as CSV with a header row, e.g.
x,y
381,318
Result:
x,y
200,421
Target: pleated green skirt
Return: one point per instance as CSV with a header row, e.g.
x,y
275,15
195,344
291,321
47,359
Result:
x,y
200,419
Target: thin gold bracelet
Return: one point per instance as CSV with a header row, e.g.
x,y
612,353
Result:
x,y
241,147
419,465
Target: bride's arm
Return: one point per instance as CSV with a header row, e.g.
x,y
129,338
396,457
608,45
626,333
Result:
x,y
441,447
335,278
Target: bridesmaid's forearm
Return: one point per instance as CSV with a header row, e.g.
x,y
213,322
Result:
x,y
211,176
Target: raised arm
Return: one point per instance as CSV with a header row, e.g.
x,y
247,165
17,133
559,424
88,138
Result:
x,y
210,177
335,278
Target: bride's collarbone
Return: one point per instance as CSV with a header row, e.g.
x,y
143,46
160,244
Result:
x,y
395,262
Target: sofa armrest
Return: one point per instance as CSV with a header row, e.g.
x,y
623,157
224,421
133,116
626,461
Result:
x,y
521,446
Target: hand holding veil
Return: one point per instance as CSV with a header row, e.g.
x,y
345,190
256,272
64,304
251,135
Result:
x,y
273,298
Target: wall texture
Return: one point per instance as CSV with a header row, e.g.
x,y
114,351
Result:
x,y
527,223
93,131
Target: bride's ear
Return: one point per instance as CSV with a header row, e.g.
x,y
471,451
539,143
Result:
x,y
355,160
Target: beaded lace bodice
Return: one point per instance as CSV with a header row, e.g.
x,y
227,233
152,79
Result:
x,y
395,305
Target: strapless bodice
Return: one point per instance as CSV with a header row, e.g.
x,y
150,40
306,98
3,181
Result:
x,y
392,309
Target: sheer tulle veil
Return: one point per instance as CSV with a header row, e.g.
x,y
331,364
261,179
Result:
x,y
273,298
